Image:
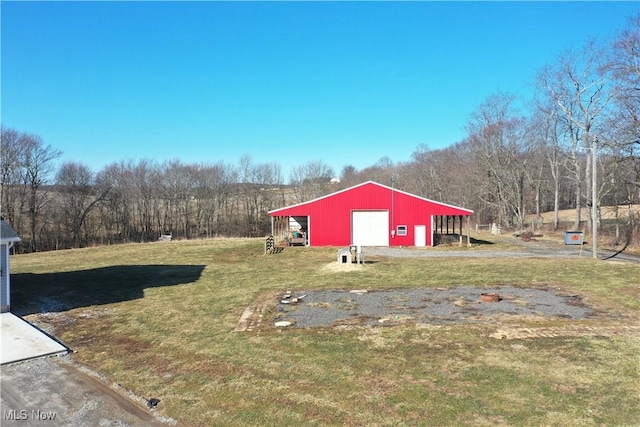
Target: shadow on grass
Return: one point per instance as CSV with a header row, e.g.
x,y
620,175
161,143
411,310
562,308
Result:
x,y
454,239
475,241
38,293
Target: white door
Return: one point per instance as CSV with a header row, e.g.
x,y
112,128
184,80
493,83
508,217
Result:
x,y
370,228
420,235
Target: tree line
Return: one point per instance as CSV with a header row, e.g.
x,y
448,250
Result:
x,y
518,158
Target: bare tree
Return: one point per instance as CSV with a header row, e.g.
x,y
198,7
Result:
x,y
210,182
624,64
424,173
311,180
497,136
348,176
625,119
546,130
579,84
383,171
117,211
620,133
38,166
144,198
260,188
10,175
176,194
80,194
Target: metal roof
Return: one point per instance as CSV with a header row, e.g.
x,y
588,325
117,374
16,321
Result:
x,y
274,212
7,234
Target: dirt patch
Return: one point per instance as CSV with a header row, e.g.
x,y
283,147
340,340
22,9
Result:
x,y
252,316
515,333
424,306
335,267
634,291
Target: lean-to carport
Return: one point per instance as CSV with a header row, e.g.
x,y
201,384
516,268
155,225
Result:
x,y
446,228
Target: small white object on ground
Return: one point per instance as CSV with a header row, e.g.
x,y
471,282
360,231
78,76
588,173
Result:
x,y
283,323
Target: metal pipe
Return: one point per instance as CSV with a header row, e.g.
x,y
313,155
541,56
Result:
x,y
594,198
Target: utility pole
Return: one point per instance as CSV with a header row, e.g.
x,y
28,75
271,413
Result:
x,y
393,207
594,198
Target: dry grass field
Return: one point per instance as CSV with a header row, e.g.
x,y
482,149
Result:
x,y
160,320
612,225
607,213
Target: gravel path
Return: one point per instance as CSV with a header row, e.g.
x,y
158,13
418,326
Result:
x,y
537,249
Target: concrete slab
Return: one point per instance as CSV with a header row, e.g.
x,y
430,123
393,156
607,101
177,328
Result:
x,y
23,341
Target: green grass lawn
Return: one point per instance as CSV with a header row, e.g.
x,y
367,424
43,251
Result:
x,y
159,319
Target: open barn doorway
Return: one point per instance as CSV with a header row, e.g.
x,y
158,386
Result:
x,y
291,230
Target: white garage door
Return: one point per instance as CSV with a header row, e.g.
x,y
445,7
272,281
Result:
x,y
370,228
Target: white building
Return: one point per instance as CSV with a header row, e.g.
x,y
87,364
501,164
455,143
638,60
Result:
x,y
8,237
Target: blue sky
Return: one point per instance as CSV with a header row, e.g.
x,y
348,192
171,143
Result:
x,y
287,82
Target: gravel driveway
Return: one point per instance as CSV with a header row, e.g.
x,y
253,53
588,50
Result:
x,y
537,249
55,392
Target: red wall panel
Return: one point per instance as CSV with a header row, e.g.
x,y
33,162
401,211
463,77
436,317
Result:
x,y
330,216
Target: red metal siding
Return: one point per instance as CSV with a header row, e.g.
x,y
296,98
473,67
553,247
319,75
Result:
x,y
330,216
